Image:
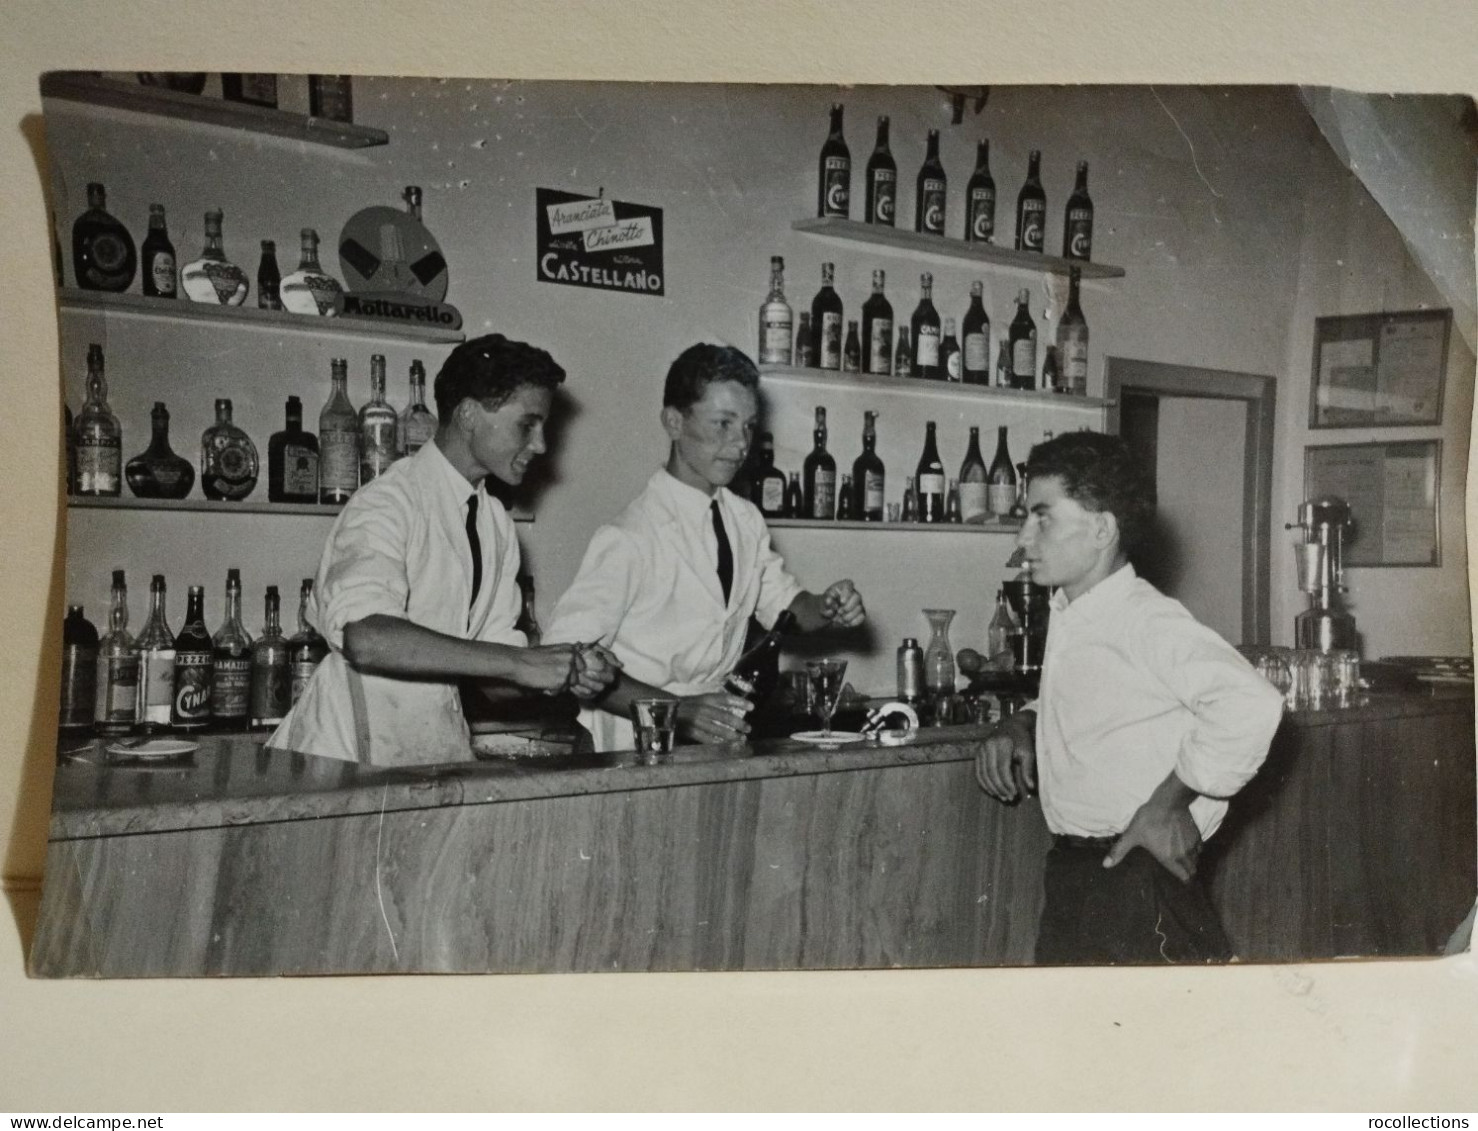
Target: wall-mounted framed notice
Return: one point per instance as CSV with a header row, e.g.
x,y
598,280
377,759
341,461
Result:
x,y
1379,370
1393,491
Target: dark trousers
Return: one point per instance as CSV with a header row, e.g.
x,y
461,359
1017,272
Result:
x,y
1133,913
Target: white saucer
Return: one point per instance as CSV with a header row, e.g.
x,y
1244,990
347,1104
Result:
x,y
820,738
156,749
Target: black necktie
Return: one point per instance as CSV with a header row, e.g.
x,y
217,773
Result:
x,y
725,552
476,544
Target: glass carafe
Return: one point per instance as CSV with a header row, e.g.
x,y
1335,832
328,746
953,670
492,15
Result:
x,y
939,656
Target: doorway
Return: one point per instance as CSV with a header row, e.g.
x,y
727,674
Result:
x,y
1207,435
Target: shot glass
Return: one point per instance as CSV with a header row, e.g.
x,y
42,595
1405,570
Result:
x,y
655,724
1346,662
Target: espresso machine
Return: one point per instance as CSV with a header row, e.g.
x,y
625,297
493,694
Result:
x,y
1029,601
1324,625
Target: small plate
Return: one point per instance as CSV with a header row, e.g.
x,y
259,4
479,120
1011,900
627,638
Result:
x,y
820,738
154,750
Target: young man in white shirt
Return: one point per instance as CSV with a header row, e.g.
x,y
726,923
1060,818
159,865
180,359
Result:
x,y
416,588
670,585
1146,722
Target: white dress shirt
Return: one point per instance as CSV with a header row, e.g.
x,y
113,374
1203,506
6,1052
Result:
x,y
1134,687
648,589
400,549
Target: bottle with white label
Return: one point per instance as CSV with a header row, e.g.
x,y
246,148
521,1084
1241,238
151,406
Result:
x,y
213,279
834,171
338,441
1002,478
826,321
930,191
882,180
930,480
99,436
949,352
1023,344
776,320
980,198
975,347
1077,220
117,709
230,684
925,325
1031,207
877,329
868,473
310,289
156,662
159,279
1072,342
820,475
417,422
767,489
378,424
974,482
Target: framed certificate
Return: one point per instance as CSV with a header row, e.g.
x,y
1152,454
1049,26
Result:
x,y
1379,370
1393,492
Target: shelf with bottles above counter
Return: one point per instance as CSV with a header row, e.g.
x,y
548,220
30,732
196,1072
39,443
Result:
x,y
915,386
226,506
993,526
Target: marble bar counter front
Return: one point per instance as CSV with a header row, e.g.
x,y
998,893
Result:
x,y
1357,839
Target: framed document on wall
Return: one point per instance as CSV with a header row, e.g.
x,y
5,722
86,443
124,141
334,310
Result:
x,y
1393,492
1375,370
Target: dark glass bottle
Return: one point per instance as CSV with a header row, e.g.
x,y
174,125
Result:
x,y
852,351
292,460
269,278
1072,341
1002,478
975,349
1077,221
331,97
820,472
1031,207
194,650
767,489
1023,344
974,482
834,171
230,682
877,329
929,481
255,89
846,501
949,352
116,708
306,648
229,464
881,196
79,672
903,355
826,322
103,254
952,503
868,473
925,325
160,278
69,442
931,191
795,501
1051,380
271,687
980,198
757,673
805,342
158,472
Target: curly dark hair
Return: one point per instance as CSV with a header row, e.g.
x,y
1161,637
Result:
x,y
699,366
1101,474
491,369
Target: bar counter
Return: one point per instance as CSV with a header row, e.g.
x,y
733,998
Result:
x,y
1356,839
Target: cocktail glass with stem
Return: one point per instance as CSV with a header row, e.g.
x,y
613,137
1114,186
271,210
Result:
x,y
826,687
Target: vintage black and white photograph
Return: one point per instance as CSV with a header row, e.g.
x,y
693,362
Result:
x,y
544,527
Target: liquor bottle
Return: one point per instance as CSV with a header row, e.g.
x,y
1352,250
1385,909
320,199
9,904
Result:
x,y
805,343
852,351
910,509
377,426
975,359
528,618
331,97
271,685
929,195
1003,625
228,459
306,648
103,254
99,435
826,322
949,352
903,355
980,198
117,705
877,329
930,478
1002,478
417,422
881,197
338,440
79,673
213,278
1023,344
795,501
846,501
269,278
820,472
776,324
758,670
767,488
952,503
158,472
292,460
974,480
230,682
1031,207
156,662
1072,341
1051,381
253,89
834,171
868,476
159,278
1077,220
190,709
1018,505
310,289
925,324
1003,363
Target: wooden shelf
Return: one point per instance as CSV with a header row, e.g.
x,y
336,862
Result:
x,y
913,386
183,310
72,86
884,238
995,526
221,506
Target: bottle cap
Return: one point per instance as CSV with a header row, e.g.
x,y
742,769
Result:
x,y
118,578
910,642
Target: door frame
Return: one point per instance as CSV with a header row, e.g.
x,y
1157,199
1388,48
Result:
x,y
1259,393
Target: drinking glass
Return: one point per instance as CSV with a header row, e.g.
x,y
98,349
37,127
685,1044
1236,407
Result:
x,y
655,724
826,688
1346,676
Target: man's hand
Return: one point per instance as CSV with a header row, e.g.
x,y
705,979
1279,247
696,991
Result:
x,y
560,667
1163,827
841,604
715,717
596,668
1006,765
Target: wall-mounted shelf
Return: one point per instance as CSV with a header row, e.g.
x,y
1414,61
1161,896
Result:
x,y
884,238
222,506
995,526
867,382
183,310
72,86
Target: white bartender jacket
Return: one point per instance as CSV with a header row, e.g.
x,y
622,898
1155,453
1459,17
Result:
x,y
399,548
648,589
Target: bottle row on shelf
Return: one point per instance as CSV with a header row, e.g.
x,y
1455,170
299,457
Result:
x,y
329,96
928,347
931,193
351,447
